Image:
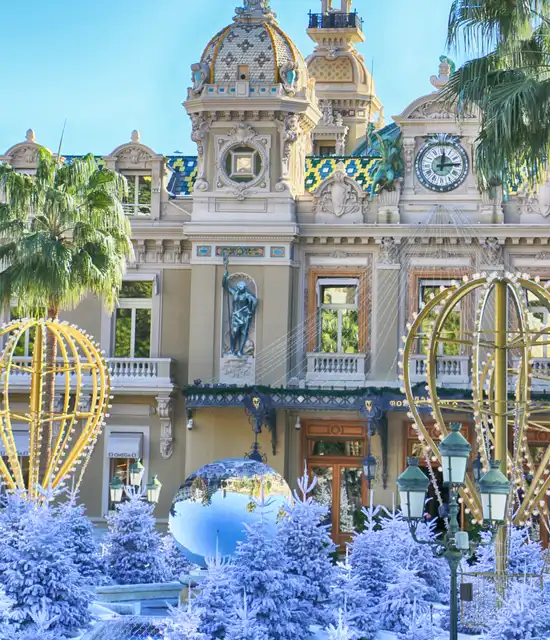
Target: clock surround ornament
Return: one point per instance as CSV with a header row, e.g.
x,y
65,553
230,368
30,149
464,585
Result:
x,y
442,163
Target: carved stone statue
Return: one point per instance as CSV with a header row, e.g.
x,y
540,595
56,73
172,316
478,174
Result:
x,y
288,72
241,313
200,74
446,69
390,166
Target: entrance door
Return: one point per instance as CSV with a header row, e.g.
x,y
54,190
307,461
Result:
x,y
335,454
340,488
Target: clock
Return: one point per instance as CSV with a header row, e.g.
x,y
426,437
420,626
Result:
x,y
442,163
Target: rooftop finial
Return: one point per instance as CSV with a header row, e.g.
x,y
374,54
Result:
x,y
446,69
29,136
135,137
258,9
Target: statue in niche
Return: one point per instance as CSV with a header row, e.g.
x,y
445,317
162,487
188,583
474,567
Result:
x,y
241,313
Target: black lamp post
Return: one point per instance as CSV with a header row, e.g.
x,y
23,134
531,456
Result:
x,y
494,488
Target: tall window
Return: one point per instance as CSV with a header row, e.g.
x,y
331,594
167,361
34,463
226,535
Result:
x,y
133,320
538,318
450,330
138,202
338,315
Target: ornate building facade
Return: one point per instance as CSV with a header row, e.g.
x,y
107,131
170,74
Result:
x,y
275,271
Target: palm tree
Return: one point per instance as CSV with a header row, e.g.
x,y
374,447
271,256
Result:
x,y
508,78
63,235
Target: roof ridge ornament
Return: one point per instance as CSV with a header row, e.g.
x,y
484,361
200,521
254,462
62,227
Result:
x,y
255,10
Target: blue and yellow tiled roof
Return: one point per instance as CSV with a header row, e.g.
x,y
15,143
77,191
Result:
x,y
184,176
362,170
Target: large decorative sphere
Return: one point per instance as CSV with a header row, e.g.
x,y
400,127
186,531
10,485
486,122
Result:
x,y
210,510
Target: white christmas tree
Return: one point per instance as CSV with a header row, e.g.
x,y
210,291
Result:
x,y
523,616
372,559
40,576
352,603
341,631
433,569
133,544
243,625
307,545
260,571
525,556
404,600
216,597
175,562
183,623
81,543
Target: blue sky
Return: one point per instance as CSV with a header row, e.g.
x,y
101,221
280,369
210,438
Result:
x,y
111,66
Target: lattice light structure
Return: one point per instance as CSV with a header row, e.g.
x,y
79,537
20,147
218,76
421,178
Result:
x,y
502,341
62,401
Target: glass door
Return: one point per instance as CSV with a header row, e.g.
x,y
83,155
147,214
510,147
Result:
x,y
341,488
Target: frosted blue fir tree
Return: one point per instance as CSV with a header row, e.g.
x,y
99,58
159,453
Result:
x,y
175,562
80,541
307,545
352,603
183,623
434,570
526,556
523,616
243,624
133,544
260,571
40,576
371,559
404,600
341,631
216,598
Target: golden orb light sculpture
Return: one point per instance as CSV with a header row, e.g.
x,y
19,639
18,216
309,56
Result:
x,y
505,334
60,392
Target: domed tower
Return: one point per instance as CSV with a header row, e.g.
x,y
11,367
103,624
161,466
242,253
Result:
x,y
252,107
344,85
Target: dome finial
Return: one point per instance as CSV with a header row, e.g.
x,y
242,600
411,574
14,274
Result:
x,y
258,9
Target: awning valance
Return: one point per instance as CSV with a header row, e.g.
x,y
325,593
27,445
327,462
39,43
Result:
x,y
125,445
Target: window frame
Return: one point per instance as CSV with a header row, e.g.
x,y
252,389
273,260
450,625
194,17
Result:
x,y
436,283
364,276
134,304
132,209
108,320
145,432
339,308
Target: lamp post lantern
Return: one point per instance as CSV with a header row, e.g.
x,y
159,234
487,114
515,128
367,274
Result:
x,y
494,488
413,485
136,473
153,490
116,488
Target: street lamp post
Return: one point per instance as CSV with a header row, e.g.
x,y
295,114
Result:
x,y
117,487
413,485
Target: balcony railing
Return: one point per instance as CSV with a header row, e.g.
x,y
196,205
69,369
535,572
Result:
x,y
336,369
541,373
137,210
335,20
449,369
127,374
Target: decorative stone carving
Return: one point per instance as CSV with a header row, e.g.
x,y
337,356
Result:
x,y
200,74
433,110
236,370
291,131
388,251
133,155
338,254
29,136
408,154
543,255
491,203
135,137
328,114
339,195
492,252
388,203
255,9
341,143
288,72
200,126
165,406
242,134
538,203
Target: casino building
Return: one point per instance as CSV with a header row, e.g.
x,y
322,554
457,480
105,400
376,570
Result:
x,y
335,229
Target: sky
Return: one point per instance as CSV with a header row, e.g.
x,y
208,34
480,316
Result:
x,y
107,67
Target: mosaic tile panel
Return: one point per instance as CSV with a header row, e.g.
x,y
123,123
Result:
x,y
278,252
184,176
204,251
360,169
339,70
241,252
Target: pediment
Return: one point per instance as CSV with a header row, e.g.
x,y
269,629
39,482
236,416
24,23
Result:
x,y
133,155
432,107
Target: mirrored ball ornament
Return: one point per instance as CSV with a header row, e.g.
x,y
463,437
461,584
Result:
x,y
210,510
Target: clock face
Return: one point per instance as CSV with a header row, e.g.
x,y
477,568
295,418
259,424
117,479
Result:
x,y
442,166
